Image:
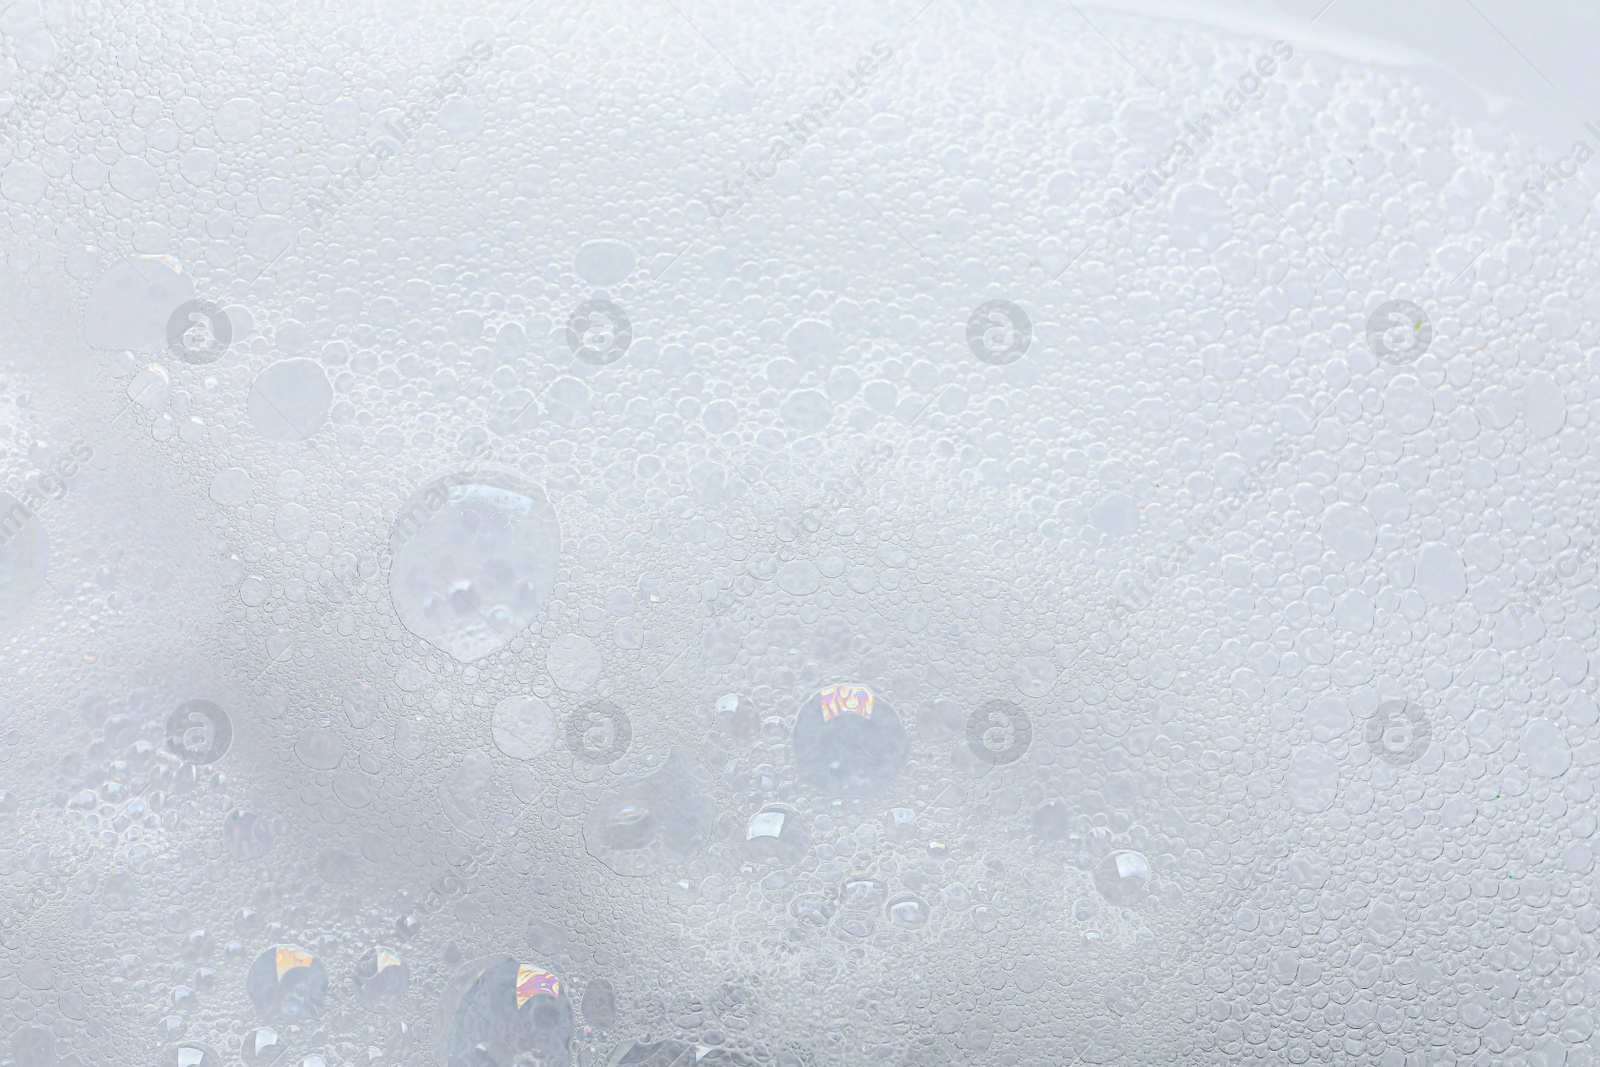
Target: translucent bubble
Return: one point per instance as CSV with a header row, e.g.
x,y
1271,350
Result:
x,y
1349,530
604,262
807,410
132,302
908,912
1121,877
647,822
1549,754
199,731
1441,574
32,1046
574,662
289,400
232,487
475,556
599,1004
776,837
319,749
812,910
863,894
1187,588
463,789
524,727
361,703
262,1047
246,835
1313,781
193,1054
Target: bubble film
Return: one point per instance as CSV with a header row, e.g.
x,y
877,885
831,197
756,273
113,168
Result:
x,y
644,534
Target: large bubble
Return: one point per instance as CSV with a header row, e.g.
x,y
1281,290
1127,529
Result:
x,y
647,822
848,741
287,984
499,1012
475,552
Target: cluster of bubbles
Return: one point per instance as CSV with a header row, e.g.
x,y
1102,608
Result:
x,y
530,618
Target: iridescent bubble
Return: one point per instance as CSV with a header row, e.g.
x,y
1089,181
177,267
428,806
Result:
x,y
381,979
848,741
498,1011
287,984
